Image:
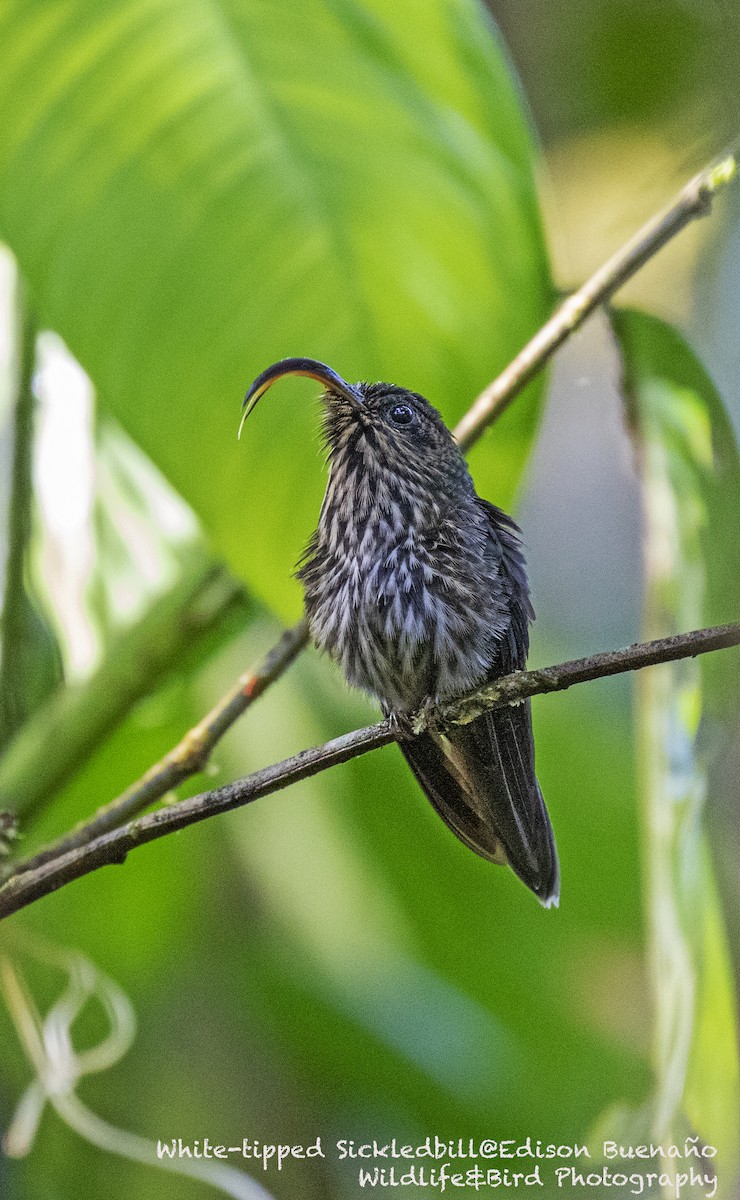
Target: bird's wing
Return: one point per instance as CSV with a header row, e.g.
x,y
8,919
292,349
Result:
x,y
481,777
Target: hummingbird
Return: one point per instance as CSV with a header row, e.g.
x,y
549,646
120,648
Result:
x,y
418,589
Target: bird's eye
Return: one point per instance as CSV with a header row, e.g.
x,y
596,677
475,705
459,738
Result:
x,y
402,414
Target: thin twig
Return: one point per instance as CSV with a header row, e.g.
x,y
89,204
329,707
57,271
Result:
x,y
511,689
695,200
33,881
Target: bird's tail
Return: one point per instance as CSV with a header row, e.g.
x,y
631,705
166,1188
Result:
x,y
481,779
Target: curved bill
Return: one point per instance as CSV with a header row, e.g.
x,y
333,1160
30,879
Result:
x,y
297,366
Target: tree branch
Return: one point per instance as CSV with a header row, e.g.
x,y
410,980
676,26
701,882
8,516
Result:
x,y
695,200
33,879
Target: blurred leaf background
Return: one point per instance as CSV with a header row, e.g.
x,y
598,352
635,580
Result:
x,y
189,191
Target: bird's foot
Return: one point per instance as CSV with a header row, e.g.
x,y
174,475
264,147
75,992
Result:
x,y
402,725
427,717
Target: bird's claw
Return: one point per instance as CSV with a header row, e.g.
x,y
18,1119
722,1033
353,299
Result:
x,y
402,726
407,725
427,718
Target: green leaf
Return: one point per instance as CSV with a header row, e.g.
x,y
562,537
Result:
x,y
30,662
691,492
156,602
196,189
185,623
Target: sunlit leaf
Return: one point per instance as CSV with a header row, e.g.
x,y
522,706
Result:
x,y
154,600
196,189
691,490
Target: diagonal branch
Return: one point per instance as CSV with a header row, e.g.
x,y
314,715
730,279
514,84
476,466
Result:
x,y
191,754
32,880
695,200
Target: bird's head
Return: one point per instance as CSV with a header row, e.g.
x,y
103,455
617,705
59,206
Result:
x,y
388,427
